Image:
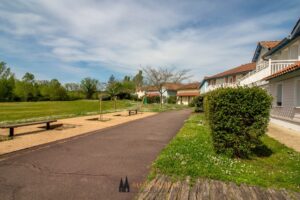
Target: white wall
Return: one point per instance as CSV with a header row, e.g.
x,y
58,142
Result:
x,y
289,52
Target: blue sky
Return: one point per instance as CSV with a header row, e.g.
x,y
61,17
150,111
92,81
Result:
x,y
70,40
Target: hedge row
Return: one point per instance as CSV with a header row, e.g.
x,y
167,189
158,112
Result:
x,y
238,117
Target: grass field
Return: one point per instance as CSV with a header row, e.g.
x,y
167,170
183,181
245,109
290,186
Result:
x,y
31,111
191,153
27,111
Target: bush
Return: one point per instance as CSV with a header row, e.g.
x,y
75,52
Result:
x,y
197,103
237,117
172,100
154,99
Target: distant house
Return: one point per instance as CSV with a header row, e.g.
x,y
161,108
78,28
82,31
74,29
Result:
x,y
169,89
227,78
187,92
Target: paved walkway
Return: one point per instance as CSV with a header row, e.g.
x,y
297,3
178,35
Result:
x,y
163,188
89,166
29,136
285,136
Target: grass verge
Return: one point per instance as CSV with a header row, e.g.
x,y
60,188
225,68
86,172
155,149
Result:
x,y
191,153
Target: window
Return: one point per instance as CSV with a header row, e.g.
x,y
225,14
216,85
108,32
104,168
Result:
x,y
279,95
298,93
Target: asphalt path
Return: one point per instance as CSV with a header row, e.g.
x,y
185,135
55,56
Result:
x,y
89,166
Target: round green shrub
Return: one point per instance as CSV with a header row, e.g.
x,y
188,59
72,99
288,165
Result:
x,y
237,117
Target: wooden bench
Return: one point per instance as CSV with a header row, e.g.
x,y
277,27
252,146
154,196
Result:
x,y
13,126
132,111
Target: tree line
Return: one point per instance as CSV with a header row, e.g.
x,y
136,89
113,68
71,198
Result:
x,y
29,89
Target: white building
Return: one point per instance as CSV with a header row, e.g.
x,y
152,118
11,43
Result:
x,y
187,92
277,70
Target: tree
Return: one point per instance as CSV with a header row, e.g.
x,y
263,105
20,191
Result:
x,y
111,79
113,89
138,79
27,88
89,86
159,77
7,83
127,88
53,90
72,87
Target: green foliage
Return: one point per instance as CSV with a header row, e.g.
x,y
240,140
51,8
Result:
x,y
238,117
53,90
27,89
191,154
153,99
7,83
138,79
172,99
89,86
197,103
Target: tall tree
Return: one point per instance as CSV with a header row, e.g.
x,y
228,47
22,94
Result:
x,y
7,83
53,90
89,86
27,88
160,76
138,79
111,79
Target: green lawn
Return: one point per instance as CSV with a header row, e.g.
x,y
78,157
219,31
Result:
x,y
12,112
191,153
30,111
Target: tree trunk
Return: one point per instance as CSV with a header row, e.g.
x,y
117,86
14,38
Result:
x,y
115,103
161,100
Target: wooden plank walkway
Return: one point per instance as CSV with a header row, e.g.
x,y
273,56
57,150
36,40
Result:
x,y
162,188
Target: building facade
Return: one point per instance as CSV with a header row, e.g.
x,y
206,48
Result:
x,y
187,92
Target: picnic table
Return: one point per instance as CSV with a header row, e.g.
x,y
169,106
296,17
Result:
x,y
11,127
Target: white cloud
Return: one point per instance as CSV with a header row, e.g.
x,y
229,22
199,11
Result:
x,y
126,34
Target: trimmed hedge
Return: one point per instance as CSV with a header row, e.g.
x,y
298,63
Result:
x,y
197,103
237,117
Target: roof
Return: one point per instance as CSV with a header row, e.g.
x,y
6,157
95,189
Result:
x,y
269,44
151,88
237,70
172,86
266,44
153,94
188,94
291,37
286,70
194,85
168,86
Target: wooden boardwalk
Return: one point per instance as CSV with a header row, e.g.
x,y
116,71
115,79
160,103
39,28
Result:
x,y
162,188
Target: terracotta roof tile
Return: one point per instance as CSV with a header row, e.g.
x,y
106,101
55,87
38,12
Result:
x,y
172,86
194,85
186,94
269,44
288,69
153,95
237,70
